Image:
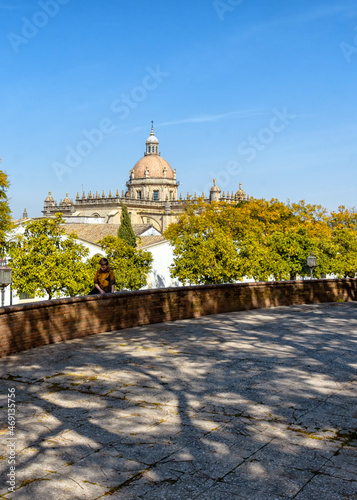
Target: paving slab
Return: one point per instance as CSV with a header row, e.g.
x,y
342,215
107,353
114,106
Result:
x,y
253,405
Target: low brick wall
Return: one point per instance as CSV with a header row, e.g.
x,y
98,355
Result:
x,y
26,326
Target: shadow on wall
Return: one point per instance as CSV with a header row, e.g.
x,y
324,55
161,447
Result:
x,y
158,280
161,281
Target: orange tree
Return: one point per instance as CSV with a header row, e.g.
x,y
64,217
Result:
x,y
204,251
258,239
343,224
45,260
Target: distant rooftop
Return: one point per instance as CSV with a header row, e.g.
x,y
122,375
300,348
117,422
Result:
x,y
92,233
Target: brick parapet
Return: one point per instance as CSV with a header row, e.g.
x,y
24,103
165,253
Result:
x,y
34,324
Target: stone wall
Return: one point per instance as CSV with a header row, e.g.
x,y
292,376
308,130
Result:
x,y
30,325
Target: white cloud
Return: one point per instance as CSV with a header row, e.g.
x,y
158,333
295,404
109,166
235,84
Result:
x,y
211,118
320,13
304,17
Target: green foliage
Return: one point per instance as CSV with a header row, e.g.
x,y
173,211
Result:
x,y
262,240
125,231
344,230
206,257
130,265
46,261
204,253
5,212
92,266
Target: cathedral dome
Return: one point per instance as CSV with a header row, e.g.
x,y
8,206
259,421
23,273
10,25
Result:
x,y
153,166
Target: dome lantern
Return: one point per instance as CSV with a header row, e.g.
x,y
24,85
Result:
x,y
152,143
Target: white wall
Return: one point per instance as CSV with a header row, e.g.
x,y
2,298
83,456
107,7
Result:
x,y
84,220
163,256
150,232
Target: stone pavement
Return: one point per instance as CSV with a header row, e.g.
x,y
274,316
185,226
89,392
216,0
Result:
x,y
256,405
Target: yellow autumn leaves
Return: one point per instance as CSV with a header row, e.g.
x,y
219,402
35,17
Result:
x,y
261,240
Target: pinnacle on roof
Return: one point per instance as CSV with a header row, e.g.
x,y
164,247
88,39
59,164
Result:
x,y
215,188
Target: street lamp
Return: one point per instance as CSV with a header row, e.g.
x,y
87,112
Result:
x,y
5,278
311,262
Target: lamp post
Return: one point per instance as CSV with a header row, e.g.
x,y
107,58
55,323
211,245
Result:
x,y
5,278
311,262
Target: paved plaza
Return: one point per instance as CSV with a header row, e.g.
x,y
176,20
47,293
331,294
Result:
x,y
255,405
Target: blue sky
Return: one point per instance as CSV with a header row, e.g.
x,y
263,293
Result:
x,y
256,92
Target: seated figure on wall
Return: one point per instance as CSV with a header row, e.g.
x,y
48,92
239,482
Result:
x,y
104,279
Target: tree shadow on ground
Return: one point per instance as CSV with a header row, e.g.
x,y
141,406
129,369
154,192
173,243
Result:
x,y
250,404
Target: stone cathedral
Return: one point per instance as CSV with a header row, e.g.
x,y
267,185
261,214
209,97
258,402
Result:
x,y
151,196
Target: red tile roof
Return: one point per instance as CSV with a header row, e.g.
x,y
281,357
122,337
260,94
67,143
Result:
x,y
95,232
92,232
